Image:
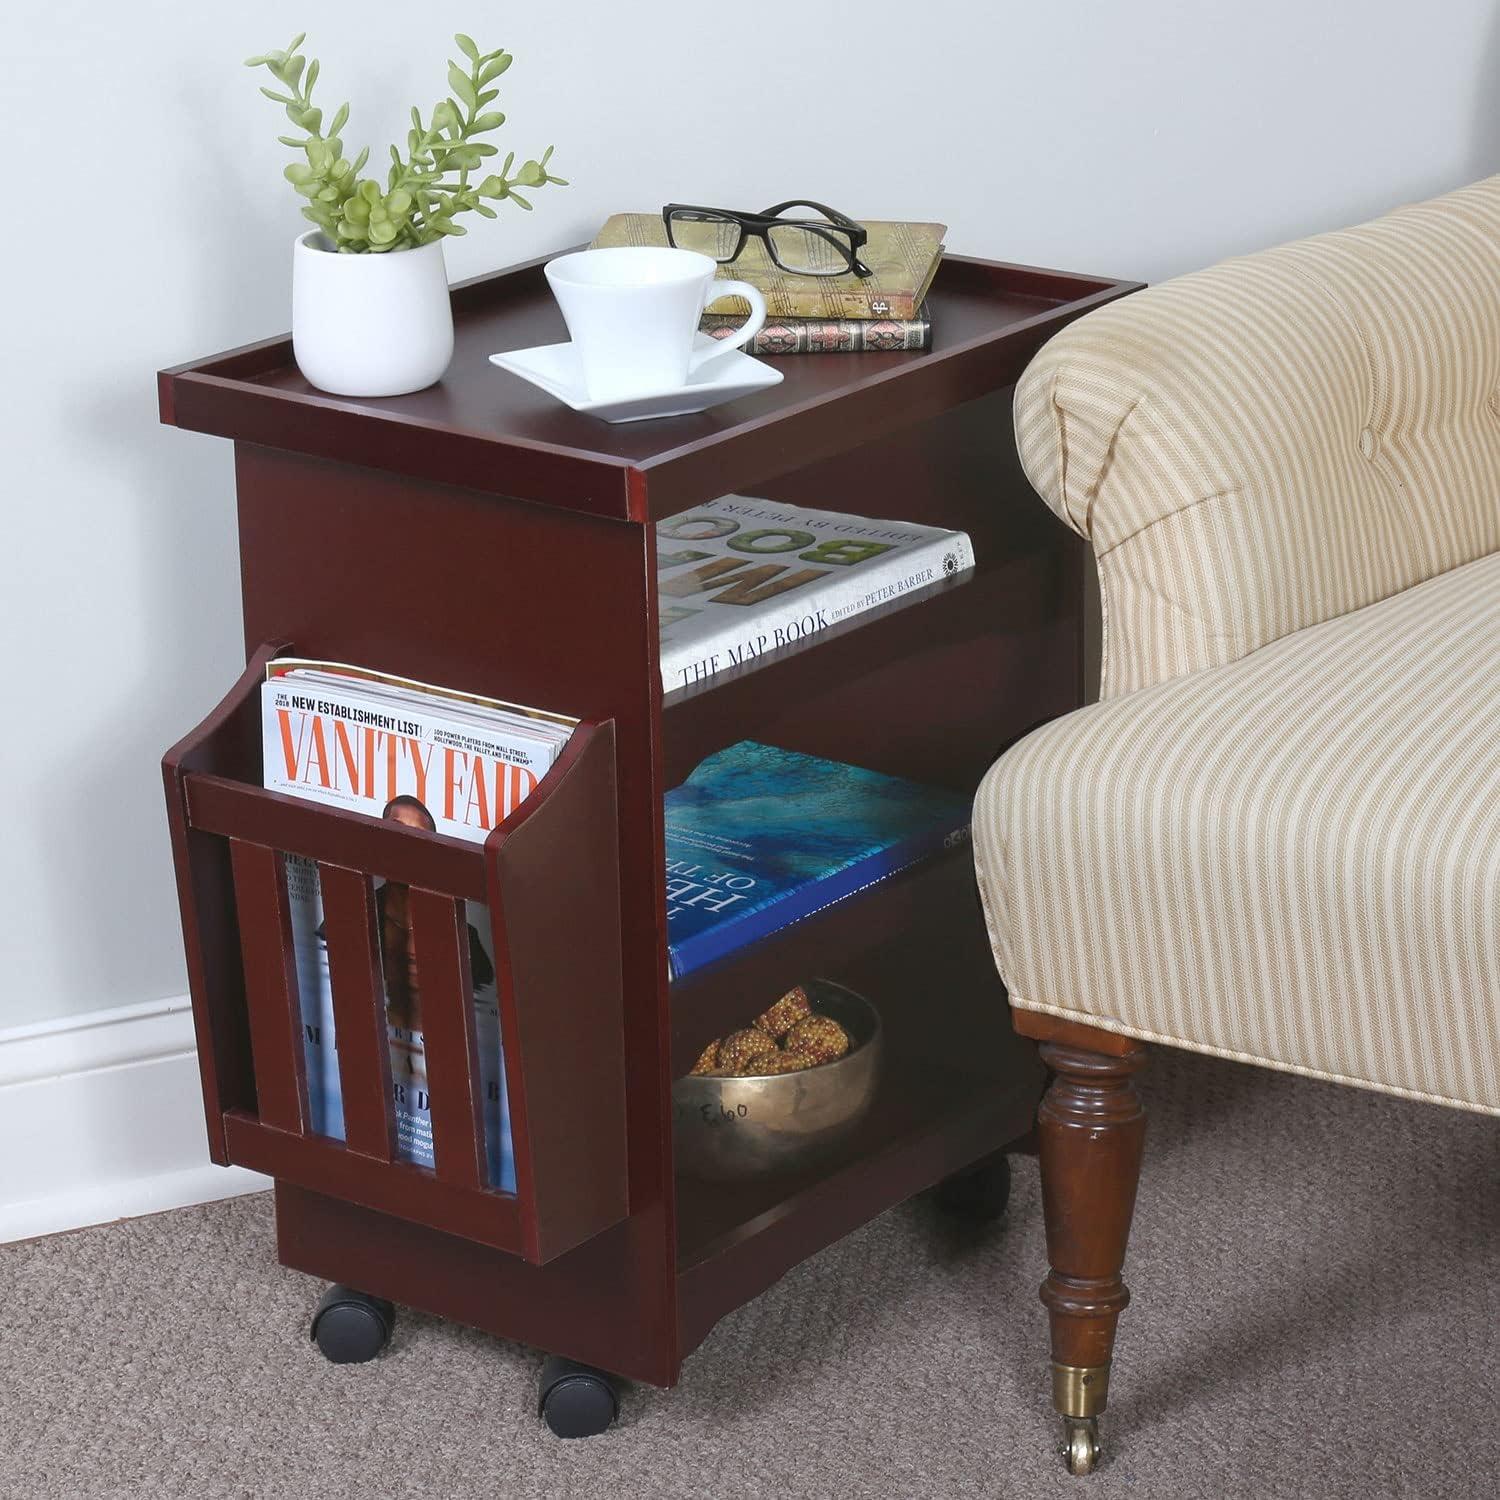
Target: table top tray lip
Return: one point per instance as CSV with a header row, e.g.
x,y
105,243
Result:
x,y
254,394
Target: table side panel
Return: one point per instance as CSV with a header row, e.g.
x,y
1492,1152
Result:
x,y
533,604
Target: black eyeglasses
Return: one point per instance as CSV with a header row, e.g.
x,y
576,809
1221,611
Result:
x,y
827,246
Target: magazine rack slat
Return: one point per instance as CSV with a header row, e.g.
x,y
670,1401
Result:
x,y
359,1011
480,535
441,935
270,985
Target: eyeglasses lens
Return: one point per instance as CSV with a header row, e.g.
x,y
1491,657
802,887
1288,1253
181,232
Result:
x,y
705,233
810,252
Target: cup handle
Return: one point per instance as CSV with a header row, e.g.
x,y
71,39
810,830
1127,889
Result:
x,y
745,332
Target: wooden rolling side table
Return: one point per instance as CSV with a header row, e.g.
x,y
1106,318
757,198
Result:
x,y
482,536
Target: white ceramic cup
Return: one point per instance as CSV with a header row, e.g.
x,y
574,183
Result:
x,y
632,313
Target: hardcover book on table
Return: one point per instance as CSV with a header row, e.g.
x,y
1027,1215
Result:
x,y
740,577
759,837
781,336
445,762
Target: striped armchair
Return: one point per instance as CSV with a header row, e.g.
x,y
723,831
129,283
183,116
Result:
x,y
1277,836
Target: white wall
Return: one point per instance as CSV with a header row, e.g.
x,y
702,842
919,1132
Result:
x,y
146,223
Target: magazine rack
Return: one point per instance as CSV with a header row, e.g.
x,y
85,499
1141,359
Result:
x,y
481,536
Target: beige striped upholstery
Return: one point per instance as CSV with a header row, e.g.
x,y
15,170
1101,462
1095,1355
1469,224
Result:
x,y
1278,836
1280,439
1293,859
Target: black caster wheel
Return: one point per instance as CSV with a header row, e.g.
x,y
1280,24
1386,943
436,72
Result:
x,y
978,1194
577,1401
351,1327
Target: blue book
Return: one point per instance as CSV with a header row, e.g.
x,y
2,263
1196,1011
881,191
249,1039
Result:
x,y
759,837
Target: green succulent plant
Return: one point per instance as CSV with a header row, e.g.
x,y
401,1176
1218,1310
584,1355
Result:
x,y
428,187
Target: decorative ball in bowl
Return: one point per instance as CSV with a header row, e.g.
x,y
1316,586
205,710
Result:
x,y
731,1126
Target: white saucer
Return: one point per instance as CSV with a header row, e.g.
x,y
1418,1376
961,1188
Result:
x,y
554,367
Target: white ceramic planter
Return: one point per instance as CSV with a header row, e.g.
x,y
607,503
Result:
x,y
370,325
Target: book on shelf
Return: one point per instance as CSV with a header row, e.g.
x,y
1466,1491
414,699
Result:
x,y
450,763
829,335
740,576
759,837
903,257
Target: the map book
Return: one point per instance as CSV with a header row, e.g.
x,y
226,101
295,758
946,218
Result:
x,y
830,335
759,837
448,763
739,577
903,257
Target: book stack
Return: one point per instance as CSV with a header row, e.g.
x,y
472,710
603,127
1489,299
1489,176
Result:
x,y
821,314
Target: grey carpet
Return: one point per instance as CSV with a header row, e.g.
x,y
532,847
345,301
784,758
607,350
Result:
x,y
1315,1273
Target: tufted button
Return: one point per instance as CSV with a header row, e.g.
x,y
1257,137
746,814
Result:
x,y
1367,442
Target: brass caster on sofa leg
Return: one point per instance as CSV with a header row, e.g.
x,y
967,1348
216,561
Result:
x,y
1079,1394
1080,1448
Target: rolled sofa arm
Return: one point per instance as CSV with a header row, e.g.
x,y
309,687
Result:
x,y
1279,439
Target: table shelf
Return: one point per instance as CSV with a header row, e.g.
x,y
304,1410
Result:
x,y
735,1240
479,535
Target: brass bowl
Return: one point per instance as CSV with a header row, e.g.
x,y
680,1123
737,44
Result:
x,y
729,1128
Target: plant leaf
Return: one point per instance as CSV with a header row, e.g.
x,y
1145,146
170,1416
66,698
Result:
x,y
492,70
272,94
466,46
340,119
462,85
492,121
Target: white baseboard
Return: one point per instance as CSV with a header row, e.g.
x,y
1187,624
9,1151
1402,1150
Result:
x,y
102,1119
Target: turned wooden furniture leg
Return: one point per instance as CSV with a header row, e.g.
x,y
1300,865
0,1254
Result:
x,y
1090,1129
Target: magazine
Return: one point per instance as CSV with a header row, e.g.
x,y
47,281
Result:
x,y
759,837
740,577
449,763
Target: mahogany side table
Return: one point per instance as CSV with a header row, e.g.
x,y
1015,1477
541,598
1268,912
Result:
x,y
480,535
